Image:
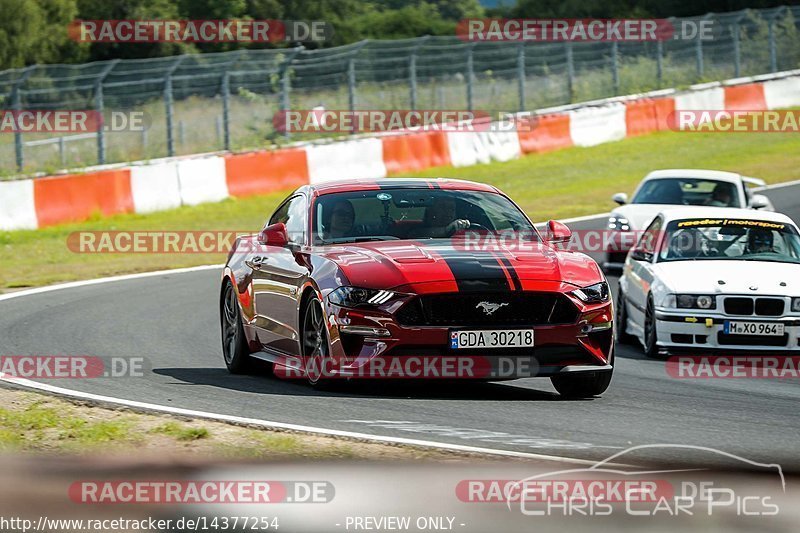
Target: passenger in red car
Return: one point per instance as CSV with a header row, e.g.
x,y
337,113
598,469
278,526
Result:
x,y
340,223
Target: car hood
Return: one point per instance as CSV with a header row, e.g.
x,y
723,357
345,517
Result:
x,y
739,277
394,264
640,215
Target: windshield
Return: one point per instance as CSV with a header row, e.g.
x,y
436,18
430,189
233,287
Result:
x,y
390,214
746,240
688,191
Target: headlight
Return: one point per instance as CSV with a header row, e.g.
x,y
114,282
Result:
x,y
355,296
690,301
593,294
619,223
796,305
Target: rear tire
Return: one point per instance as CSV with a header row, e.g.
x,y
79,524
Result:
x,y
622,336
234,343
582,385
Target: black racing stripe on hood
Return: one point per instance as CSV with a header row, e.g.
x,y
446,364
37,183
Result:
x,y
474,272
511,271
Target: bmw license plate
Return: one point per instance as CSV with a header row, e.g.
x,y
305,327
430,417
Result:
x,y
735,327
491,338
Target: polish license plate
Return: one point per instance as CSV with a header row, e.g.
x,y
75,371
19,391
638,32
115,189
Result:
x,y
491,338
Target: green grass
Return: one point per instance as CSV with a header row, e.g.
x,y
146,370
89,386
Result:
x,y
36,426
181,432
566,183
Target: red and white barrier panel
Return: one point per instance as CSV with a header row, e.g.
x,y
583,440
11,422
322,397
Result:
x,y
146,188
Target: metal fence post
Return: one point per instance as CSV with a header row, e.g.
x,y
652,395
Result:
x,y
226,114
773,48
412,71
699,54
168,104
660,63
570,72
521,75
351,84
737,52
615,66
470,77
16,105
99,106
286,84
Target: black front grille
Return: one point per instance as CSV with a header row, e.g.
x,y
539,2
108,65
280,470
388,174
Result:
x,y
739,306
751,340
479,309
758,306
769,306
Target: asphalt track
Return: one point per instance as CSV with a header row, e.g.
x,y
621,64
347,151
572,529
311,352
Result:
x,y
171,320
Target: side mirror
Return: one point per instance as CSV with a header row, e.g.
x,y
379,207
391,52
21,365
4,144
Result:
x,y
274,235
621,198
640,255
558,232
759,201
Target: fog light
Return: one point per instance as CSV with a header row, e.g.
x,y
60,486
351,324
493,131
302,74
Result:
x,y
365,331
593,328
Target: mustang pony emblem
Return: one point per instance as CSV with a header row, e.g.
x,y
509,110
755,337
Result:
x,y
489,308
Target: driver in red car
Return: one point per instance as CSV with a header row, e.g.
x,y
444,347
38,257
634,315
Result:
x,y
440,220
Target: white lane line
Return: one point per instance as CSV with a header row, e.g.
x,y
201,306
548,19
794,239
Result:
x,y
98,281
283,426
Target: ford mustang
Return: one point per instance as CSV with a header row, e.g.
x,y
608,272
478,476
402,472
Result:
x,y
710,279
415,278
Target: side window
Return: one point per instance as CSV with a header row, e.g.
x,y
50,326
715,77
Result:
x,y
647,243
292,214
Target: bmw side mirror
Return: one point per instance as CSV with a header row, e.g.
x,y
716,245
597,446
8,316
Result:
x,y
621,198
640,255
274,235
759,201
558,232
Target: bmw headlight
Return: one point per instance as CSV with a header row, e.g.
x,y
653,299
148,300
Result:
x,y
691,301
593,294
356,296
619,223
796,305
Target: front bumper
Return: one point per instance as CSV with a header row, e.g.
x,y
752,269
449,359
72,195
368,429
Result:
x,y
370,343
701,332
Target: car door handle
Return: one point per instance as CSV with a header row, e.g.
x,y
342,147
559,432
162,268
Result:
x,y
256,262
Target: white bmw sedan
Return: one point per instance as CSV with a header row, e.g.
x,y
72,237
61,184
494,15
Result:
x,y
664,189
721,279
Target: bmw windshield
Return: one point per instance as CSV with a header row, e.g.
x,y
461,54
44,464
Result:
x,y
747,240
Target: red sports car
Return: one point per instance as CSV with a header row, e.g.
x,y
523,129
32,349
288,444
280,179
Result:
x,y
415,278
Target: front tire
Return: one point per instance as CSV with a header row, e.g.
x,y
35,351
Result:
x,y
582,385
234,343
316,348
651,332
